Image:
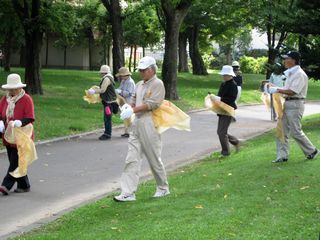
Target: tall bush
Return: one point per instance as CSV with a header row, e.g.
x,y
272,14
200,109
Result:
x,y
253,65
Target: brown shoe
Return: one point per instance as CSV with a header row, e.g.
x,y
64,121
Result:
x,y
4,190
21,190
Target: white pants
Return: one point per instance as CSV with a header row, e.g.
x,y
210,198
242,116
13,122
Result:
x,y
144,142
292,115
239,93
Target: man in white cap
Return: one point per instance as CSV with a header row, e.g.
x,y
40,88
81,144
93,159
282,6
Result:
x,y
126,89
295,92
144,140
227,93
108,95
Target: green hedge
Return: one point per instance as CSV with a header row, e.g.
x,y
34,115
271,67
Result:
x,y
253,65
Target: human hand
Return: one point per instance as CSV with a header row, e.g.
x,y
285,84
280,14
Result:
x,y
118,91
91,91
273,90
125,106
1,126
17,123
126,113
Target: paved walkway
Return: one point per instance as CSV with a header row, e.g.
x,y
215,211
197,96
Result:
x,y
72,172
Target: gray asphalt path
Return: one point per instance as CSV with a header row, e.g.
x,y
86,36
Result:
x,y
72,172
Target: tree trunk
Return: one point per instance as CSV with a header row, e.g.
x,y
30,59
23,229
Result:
x,y
22,62
198,67
33,65
135,58
114,9
65,57
183,55
29,14
130,58
47,49
174,16
7,50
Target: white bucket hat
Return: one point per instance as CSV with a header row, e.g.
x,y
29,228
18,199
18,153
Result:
x,y
104,69
146,62
227,70
123,71
13,82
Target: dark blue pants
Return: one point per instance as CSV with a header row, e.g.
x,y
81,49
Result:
x,y
107,120
9,181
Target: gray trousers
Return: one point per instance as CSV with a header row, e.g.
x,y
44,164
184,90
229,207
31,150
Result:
x,y
292,115
144,142
222,131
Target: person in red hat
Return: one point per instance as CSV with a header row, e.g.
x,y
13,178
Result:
x,y
16,108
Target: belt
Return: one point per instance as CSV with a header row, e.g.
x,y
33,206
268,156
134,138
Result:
x,y
293,98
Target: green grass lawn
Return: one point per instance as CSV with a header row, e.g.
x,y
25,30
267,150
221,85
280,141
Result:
x,y
241,197
61,110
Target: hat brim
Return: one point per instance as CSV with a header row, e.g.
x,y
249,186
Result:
x,y
227,73
123,75
7,86
285,56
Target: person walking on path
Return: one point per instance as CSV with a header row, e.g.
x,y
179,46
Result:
x,y
126,89
227,93
108,95
294,91
16,108
237,78
144,140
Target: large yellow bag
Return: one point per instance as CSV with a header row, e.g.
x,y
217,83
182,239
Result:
x,y
278,101
95,98
218,107
168,116
26,148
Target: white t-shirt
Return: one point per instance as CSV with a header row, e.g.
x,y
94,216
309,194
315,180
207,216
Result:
x,y
297,81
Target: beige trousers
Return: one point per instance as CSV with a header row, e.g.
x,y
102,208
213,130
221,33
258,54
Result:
x,y
144,142
292,115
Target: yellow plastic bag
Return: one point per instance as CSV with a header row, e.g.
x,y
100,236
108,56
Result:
x,y
278,101
26,148
168,116
95,98
218,107
265,97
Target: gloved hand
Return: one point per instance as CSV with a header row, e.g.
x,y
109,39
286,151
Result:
x,y
125,106
1,126
118,91
273,90
126,113
216,98
91,91
17,123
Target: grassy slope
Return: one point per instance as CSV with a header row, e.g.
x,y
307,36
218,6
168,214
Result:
x,y
243,196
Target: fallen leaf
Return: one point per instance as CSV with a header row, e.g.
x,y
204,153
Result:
x,y
114,228
199,206
225,196
304,187
229,174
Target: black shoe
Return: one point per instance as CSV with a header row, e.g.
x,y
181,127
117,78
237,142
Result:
x,y
126,135
280,160
313,155
104,137
22,190
4,190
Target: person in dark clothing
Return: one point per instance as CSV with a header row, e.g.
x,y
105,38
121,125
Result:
x,y
17,110
108,95
238,77
227,93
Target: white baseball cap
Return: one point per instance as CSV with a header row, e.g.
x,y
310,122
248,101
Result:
x,y
146,62
235,64
227,70
104,69
13,82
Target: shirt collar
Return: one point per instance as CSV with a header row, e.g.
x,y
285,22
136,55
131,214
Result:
x,y
291,70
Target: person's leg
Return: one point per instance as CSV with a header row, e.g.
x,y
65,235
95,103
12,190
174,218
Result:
x,y
8,180
283,146
152,146
294,120
130,176
222,131
107,117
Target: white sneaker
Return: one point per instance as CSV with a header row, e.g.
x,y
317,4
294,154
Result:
x,y
161,193
124,198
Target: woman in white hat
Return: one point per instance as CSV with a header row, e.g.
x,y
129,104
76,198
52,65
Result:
x,y
126,89
16,108
108,95
227,93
